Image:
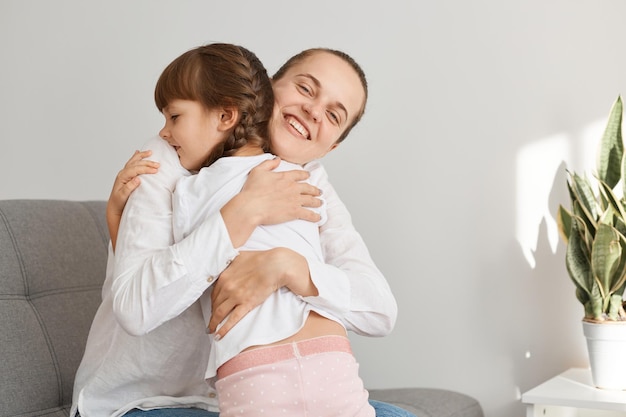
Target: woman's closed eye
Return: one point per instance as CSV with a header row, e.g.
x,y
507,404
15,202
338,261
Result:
x,y
305,89
334,117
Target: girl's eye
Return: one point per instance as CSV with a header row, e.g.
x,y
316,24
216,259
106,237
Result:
x,y
173,117
334,117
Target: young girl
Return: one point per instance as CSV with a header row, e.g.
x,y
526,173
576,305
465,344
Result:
x,y
157,361
366,307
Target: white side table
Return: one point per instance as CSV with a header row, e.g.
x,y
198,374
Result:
x,y
572,394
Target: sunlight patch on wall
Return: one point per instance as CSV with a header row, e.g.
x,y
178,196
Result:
x,y
536,170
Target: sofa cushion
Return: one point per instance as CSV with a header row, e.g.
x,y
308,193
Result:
x,y
52,263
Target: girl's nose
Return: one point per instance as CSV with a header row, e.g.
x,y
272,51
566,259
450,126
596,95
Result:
x,y
164,133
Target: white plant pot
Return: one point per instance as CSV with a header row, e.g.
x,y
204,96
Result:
x,y
606,345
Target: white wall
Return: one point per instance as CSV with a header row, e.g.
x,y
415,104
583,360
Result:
x,y
453,177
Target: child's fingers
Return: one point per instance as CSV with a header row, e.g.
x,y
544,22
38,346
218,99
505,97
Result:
x,y
138,168
138,155
130,186
125,189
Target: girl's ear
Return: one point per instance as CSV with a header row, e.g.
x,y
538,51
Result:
x,y
228,117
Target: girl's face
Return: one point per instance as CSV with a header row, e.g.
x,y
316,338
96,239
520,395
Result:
x,y
316,100
192,130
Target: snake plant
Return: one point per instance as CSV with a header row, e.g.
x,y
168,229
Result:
x,y
594,229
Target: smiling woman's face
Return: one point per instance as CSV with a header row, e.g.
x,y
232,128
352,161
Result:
x,y
316,100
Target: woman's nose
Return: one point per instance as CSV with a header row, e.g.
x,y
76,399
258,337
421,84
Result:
x,y
314,110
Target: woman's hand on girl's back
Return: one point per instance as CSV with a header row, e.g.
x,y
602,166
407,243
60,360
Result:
x,y
270,197
250,278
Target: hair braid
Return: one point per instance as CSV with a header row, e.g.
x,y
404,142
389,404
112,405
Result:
x,y
255,105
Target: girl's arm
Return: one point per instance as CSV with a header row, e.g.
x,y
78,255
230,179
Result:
x,y
126,181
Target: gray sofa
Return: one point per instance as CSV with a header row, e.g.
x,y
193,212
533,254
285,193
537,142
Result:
x,y
52,263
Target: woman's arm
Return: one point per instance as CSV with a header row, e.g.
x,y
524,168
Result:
x,y
348,284
251,278
368,305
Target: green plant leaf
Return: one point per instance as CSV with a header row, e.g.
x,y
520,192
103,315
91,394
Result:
x,y
595,307
619,279
613,309
564,223
611,149
612,200
584,196
605,258
577,258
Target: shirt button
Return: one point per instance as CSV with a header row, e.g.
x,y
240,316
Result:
x,y
212,395
210,279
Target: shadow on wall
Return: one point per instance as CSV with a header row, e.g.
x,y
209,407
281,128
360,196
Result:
x,y
543,325
532,319
554,330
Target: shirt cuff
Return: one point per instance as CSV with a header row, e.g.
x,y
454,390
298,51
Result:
x,y
207,251
333,287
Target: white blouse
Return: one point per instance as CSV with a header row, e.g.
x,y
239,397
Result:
x,y
283,313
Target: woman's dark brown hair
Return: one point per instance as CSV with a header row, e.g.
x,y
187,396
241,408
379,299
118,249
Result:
x,y
222,75
298,58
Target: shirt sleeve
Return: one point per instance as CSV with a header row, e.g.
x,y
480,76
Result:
x,y
348,282
154,278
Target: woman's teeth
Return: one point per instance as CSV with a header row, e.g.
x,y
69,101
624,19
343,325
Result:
x,y
294,123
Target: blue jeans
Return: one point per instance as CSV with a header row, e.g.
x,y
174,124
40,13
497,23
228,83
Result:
x,y
382,410
388,410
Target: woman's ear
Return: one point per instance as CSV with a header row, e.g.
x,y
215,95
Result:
x,y
228,117
333,146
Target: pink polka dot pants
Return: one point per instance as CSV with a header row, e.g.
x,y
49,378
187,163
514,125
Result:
x,y
313,378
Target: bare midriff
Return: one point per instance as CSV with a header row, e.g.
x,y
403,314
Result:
x,y
314,326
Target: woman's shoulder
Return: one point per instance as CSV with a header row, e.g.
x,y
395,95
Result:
x,y
162,151
318,172
170,169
